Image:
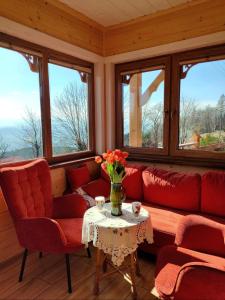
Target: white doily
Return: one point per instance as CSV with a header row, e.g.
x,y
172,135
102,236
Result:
x,y
117,236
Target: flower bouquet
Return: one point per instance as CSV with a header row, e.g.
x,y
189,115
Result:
x,y
115,162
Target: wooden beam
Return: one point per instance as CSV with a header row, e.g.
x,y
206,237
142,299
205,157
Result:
x,y
152,88
194,19
54,18
135,138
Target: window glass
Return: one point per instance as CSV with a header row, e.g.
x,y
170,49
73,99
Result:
x,y
202,106
69,109
20,117
143,107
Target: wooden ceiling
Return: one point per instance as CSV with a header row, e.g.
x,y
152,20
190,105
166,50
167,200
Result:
x,y
184,21
112,12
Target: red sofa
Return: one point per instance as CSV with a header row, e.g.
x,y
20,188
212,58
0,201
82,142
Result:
x,y
167,195
188,218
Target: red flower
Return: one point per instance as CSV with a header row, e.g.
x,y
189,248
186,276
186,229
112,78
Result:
x,y
98,159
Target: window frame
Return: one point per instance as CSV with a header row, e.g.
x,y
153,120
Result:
x,y
172,85
46,55
142,66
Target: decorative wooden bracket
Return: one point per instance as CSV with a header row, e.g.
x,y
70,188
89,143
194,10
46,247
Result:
x,y
83,76
126,78
184,70
32,61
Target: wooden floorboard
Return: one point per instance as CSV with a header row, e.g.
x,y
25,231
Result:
x,y
45,279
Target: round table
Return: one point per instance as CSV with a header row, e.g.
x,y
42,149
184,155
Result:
x,y
117,236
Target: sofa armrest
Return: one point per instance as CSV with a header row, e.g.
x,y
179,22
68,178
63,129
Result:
x,y
200,280
201,234
42,234
69,206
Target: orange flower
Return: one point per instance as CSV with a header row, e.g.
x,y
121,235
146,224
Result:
x,y
125,155
98,159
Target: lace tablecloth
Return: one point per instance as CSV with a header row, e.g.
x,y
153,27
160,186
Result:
x,y
117,236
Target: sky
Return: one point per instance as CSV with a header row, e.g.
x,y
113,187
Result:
x,y
19,87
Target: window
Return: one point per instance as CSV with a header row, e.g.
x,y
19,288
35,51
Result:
x,y
144,107
69,109
182,118
20,114
202,106
46,103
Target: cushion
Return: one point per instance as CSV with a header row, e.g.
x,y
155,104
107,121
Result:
x,y
172,189
78,177
98,187
164,222
213,193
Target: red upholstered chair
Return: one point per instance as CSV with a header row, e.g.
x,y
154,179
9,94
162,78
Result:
x,y
194,268
42,223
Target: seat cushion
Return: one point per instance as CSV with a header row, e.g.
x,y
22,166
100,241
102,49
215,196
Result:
x,y
164,222
172,189
72,229
98,187
169,263
213,193
78,177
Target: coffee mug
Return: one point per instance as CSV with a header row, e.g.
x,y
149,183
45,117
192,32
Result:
x,y
136,207
100,201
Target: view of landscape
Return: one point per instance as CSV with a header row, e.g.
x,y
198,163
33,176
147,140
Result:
x,y
20,114
201,113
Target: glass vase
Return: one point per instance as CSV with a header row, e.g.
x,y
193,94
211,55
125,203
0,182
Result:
x,y
116,199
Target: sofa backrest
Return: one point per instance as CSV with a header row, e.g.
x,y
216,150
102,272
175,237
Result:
x,y
172,189
213,193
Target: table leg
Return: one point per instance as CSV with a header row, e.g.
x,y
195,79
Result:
x,y
98,270
138,272
104,265
132,274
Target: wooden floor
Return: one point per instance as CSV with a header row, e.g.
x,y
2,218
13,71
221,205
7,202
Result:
x,y
45,279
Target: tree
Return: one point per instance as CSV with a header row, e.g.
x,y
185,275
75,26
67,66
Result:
x,y
188,118
71,116
31,132
3,148
152,124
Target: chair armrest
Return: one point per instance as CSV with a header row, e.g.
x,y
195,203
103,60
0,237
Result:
x,y
69,206
200,280
201,234
43,234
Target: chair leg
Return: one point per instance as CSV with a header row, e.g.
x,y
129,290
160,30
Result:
x,y
40,254
23,265
88,252
68,273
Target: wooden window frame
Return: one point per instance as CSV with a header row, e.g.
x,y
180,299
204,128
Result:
x,y
174,155
142,66
47,54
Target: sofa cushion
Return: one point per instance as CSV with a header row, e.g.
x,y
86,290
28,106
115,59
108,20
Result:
x,y
172,189
132,182
98,187
213,193
78,177
164,222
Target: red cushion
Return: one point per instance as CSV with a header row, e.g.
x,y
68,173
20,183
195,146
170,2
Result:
x,y
132,182
172,189
98,187
78,177
213,193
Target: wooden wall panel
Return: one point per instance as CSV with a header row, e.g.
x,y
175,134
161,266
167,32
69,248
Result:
x,y
53,18
191,20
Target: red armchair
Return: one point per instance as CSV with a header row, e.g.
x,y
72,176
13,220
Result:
x,y
42,223
194,268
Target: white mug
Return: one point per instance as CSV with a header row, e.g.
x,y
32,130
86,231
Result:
x,y
136,207
100,201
